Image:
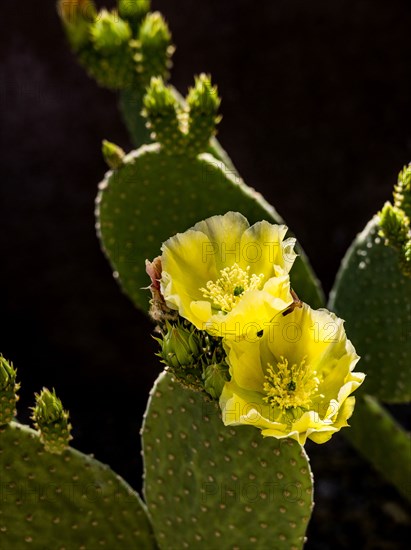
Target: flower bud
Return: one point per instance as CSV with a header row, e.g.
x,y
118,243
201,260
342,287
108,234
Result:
x,y
52,421
113,154
109,31
402,191
181,347
215,376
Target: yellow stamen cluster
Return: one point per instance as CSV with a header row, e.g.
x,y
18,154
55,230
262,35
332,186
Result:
x,y
228,290
290,386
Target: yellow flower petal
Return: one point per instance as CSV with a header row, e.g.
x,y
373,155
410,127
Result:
x,y
296,379
226,277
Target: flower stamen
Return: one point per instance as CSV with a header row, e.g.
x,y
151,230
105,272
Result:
x,y
289,387
228,289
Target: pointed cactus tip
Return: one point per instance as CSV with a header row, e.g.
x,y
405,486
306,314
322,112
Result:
x,y
113,154
204,95
8,391
395,229
110,31
154,30
155,48
394,220
159,100
402,190
394,224
52,421
162,111
203,103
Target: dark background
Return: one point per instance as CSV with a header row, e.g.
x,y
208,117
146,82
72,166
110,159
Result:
x,y
316,105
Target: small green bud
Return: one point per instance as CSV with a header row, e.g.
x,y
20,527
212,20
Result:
x,y
159,99
133,11
215,376
154,33
203,103
395,228
113,154
154,48
180,347
52,421
394,225
109,32
203,97
402,191
182,350
162,111
8,391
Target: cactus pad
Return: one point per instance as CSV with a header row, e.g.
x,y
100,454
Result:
x,y
208,486
68,501
374,298
154,195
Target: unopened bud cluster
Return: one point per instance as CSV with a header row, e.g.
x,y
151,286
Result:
x,y
122,48
182,129
194,358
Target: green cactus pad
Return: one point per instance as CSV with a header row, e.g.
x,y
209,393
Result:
x,y
68,501
379,438
153,196
374,298
209,486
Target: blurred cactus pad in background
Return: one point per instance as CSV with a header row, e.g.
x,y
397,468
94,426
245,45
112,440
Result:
x,y
209,482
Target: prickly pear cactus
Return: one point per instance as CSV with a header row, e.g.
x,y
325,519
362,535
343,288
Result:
x,y
121,49
53,496
374,297
164,188
207,486
372,292
66,501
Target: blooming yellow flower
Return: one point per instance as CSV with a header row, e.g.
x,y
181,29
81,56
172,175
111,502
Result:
x,y
296,380
226,277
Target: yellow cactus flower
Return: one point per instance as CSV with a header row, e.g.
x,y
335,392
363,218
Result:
x,y
226,277
296,380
